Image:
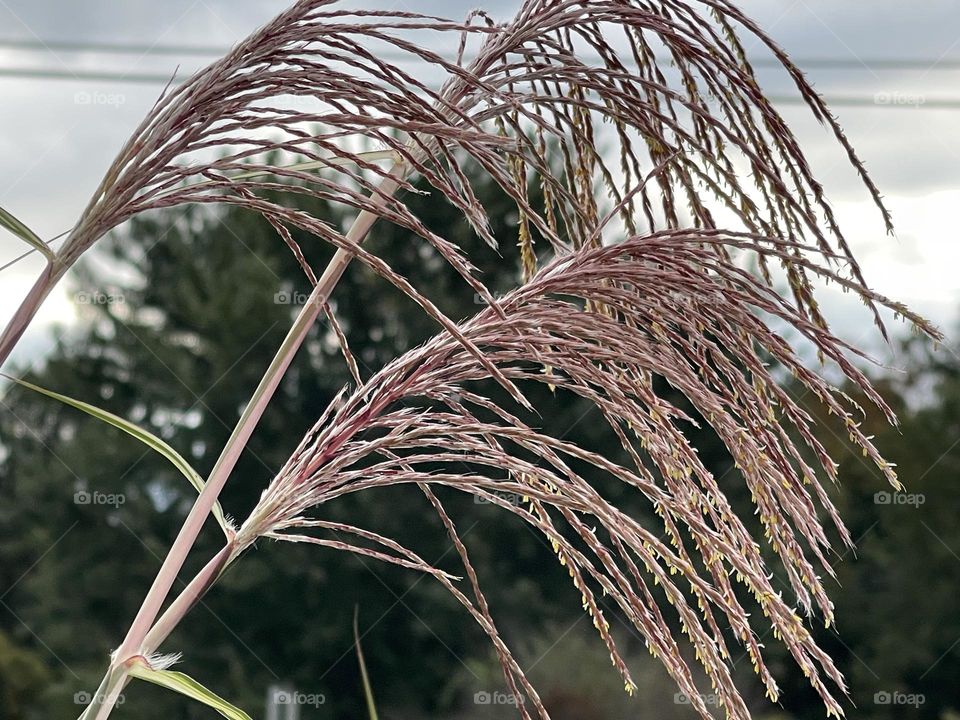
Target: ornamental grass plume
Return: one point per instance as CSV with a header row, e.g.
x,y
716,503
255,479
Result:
x,y
605,322
627,132
528,101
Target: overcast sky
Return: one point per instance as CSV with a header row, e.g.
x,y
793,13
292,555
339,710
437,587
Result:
x,y
55,149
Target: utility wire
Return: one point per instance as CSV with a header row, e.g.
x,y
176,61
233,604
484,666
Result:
x,y
111,48
98,75
81,46
882,101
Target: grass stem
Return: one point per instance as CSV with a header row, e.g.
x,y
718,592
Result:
x,y
177,555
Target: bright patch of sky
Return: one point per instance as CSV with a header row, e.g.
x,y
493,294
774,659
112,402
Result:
x,y
58,136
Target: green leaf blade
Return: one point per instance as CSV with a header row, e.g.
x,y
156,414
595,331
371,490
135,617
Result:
x,y
187,686
16,227
144,436
364,675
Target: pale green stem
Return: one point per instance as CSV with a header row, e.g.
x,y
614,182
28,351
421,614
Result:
x,y
198,514
96,701
189,597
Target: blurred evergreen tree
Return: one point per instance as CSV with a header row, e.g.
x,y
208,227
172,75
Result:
x,y
176,339
23,677
897,634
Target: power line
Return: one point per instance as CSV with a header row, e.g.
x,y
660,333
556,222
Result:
x,y
882,101
81,46
96,75
111,48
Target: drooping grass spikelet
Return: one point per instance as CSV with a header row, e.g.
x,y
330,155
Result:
x,y
647,109
678,309
330,102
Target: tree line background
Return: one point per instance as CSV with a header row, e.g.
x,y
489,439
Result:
x,y
176,339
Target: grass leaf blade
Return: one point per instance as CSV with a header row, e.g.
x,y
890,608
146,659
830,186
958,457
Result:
x,y
186,685
144,436
12,224
367,690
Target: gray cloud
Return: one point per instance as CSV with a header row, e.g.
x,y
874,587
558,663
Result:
x,y
55,150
